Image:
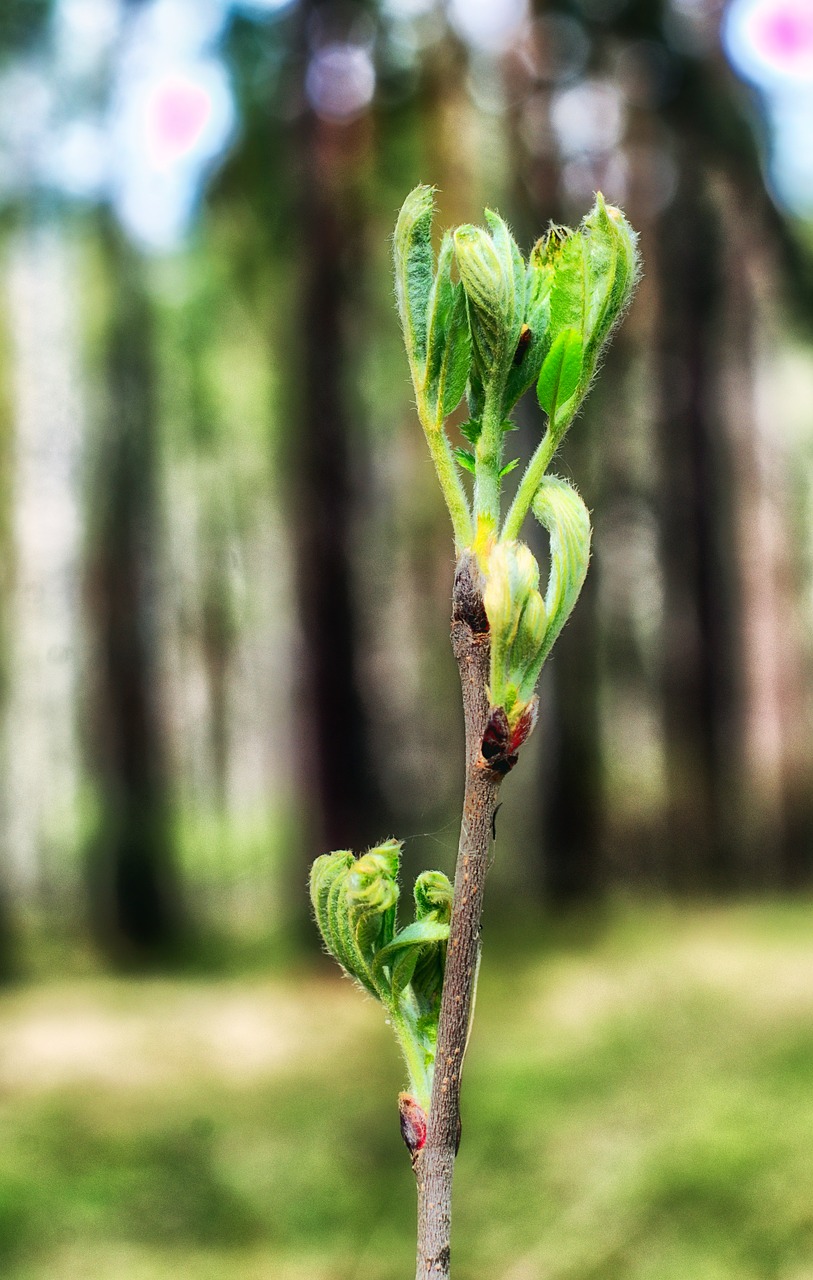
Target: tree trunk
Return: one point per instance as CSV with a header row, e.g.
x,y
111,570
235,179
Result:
x,y
698,553
134,889
332,727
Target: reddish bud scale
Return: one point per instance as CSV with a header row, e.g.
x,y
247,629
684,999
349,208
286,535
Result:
x,y
525,725
501,743
413,1123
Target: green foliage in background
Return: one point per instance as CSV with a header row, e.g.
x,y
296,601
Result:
x,y
647,1081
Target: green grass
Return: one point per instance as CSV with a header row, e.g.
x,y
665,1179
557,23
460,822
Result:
x,y
638,1105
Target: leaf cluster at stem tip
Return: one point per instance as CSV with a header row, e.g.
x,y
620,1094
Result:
x,y
355,901
481,321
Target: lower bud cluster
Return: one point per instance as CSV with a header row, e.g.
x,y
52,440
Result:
x,y
355,901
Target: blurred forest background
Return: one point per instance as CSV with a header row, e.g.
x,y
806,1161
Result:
x,y
226,568
225,576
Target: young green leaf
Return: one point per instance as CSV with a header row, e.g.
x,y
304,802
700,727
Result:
x,y
465,458
561,372
448,354
534,338
471,430
509,467
412,252
457,360
418,934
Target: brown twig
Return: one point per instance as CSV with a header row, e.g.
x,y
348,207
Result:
x,y
434,1165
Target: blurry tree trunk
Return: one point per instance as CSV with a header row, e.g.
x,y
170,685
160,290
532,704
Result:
x,y
568,866
777,803
6,590
339,794
218,642
134,890
40,776
571,790
701,680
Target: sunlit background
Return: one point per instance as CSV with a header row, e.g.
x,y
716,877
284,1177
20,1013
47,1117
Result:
x,y
225,574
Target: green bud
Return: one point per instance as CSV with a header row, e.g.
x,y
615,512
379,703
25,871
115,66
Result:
x,y
595,270
511,578
612,254
530,633
497,598
492,272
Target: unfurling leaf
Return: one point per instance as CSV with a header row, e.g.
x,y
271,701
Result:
x,y
355,902
523,624
433,894
558,507
613,268
403,953
433,904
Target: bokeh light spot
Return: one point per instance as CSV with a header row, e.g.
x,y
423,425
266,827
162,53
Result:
x,y
340,82
177,115
490,25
